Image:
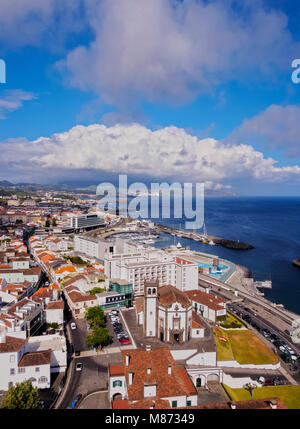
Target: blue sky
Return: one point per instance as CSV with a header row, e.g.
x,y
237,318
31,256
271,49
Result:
x,y
203,86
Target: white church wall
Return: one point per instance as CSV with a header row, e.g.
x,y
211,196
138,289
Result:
x,y
182,354
204,359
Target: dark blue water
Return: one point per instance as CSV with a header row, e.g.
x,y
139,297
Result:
x,y
270,224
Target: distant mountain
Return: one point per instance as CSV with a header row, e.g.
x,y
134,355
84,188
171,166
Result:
x,y
83,188
5,184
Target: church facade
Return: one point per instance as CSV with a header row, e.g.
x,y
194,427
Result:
x,y
166,313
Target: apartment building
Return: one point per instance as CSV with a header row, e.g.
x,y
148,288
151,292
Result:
x,y
84,221
23,318
31,359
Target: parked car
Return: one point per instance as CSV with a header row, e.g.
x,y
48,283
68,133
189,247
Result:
x,y
124,341
261,380
76,400
79,366
246,318
277,380
268,382
77,352
266,333
73,325
274,337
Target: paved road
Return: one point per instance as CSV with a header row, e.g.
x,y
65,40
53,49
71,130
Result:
x,y
94,376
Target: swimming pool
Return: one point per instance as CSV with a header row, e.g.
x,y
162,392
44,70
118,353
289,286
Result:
x,y
205,265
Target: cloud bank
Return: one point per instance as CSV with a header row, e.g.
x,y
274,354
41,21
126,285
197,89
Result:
x,y
133,149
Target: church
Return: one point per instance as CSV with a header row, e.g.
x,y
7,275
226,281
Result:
x,y
166,313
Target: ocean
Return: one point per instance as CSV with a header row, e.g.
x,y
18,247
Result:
x,y
270,224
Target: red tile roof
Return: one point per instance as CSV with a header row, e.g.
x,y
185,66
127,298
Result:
x,y
169,294
158,359
55,305
116,370
254,404
12,344
36,358
182,261
139,304
144,404
208,299
196,321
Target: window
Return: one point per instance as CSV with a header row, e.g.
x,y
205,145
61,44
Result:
x,y
188,403
174,404
117,383
43,379
37,369
12,371
176,323
21,370
12,358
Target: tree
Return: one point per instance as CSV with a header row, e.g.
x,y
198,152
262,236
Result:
x,y
95,316
250,387
99,337
21,396
53,325
96,290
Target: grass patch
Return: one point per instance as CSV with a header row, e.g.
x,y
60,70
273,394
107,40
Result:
x,y
224,350
248,348
243,346
290,395
232,321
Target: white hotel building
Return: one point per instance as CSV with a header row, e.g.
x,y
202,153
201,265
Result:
x,y
135,263
152,265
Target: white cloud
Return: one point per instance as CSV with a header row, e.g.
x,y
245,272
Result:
x,y
11,100
277,127
162,52
33,22
136,150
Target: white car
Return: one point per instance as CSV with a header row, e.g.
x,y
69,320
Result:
x,y
73,326
79,366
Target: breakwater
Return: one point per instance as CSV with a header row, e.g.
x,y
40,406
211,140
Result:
x,y
209,239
